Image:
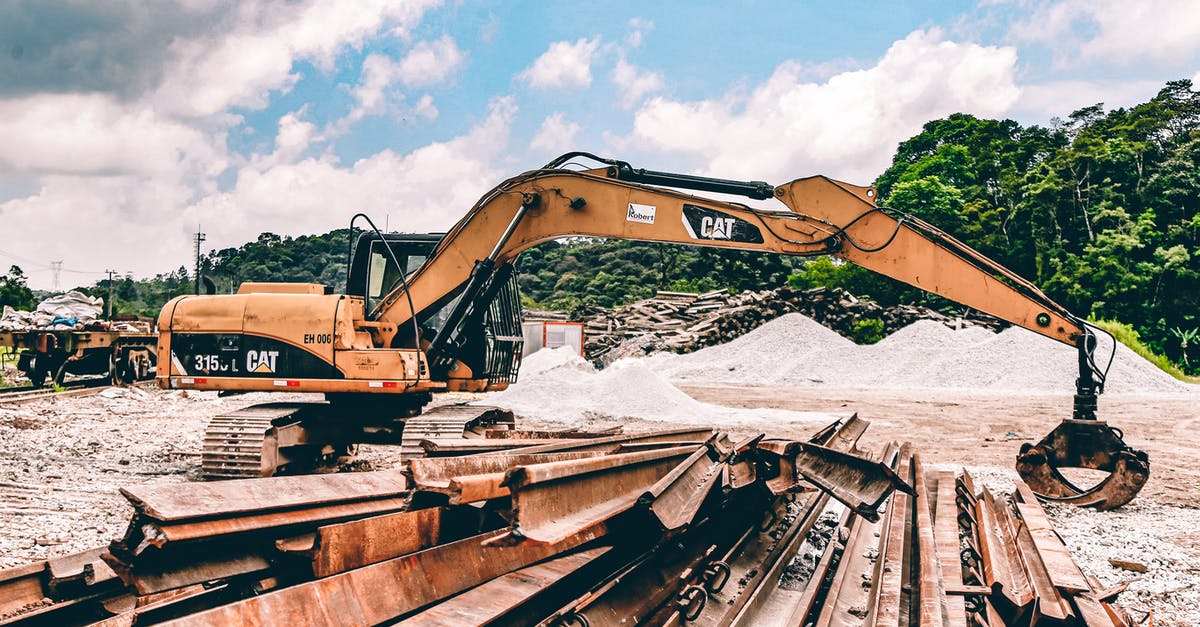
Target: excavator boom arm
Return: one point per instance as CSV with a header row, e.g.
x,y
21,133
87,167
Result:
x,y
822,216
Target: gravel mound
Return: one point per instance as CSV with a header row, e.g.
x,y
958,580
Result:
x,y
557,387
795,350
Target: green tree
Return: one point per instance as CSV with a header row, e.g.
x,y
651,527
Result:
x,y
13,290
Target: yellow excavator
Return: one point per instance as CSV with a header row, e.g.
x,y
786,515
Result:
x,y
435,313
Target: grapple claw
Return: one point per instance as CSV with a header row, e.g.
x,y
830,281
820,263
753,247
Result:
x,y
1084,444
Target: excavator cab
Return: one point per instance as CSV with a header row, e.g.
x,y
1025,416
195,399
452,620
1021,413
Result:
x,y
370,270
479,325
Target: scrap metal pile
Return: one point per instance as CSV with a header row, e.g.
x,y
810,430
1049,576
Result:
x,y
682,323
671,527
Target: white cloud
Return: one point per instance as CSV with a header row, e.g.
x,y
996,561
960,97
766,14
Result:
x,y
1042,101
563,65
425,190
377,75
556,134
430,62
638,29
141,166
152,236
424,109
1114,30
634,83
262,40
97,134
1196,81
846,127
292,140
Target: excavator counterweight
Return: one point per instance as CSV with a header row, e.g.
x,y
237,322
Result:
x,y
429,314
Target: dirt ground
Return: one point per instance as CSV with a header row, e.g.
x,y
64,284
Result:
x,y
968,428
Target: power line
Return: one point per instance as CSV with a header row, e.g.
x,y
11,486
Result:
x,y
40,267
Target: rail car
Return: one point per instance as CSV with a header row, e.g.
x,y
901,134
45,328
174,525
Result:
x,y
48,355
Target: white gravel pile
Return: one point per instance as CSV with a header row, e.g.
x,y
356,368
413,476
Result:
x,y
557,386
796,350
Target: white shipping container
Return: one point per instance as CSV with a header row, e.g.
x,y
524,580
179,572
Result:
x,y
552,334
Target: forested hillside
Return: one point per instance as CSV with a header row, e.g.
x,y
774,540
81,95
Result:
x,y
1101,209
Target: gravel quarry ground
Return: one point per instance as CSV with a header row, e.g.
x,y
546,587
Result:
x,y
965,400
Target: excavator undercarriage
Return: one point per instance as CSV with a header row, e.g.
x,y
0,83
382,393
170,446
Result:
x,y
425,314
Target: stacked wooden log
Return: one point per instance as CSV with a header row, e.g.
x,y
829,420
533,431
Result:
x,y
682,323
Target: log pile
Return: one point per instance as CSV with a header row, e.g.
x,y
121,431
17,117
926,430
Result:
x,y
682,323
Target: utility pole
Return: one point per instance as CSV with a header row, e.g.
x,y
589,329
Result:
x,y
55,269
110,291
199,238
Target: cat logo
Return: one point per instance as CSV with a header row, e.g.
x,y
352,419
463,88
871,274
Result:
x,y
709,224
716,228
261,361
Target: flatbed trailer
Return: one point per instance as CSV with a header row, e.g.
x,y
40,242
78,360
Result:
x,y
51,354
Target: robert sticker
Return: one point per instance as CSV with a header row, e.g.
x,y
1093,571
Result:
x,y
640,213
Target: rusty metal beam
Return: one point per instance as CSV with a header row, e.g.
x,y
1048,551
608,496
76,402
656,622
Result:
x,y
763,595
385,591
931,593
176,502
342,547
1063,571
808,600
1002,568
848,590
477,477
945,536
441,447
1047,601
58,590
690,435
842,435
185,531
494,600
557,500
894,544
676,498
860,483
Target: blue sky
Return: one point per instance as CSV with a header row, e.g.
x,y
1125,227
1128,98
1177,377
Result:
x,y
128,125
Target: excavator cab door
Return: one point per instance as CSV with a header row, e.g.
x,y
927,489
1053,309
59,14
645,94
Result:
x,y
372,274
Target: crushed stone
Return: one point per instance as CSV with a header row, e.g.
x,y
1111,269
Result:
x,y
796,350
558,387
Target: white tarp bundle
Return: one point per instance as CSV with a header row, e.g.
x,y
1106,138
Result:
x,y
72,310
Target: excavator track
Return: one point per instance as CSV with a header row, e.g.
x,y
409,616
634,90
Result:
x,y
263,440
449,421
243,443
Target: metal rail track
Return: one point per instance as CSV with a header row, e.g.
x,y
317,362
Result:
x,y
28,393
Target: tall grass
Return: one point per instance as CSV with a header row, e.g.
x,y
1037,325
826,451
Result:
x,y
1128,336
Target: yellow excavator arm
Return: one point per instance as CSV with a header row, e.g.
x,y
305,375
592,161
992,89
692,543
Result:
x,y
817,216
